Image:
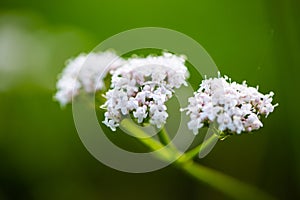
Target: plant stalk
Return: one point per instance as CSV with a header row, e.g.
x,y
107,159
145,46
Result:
x,y
226,184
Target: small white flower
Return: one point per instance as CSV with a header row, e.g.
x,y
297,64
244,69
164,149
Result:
x,y
83,72
195,125
147,84
140,113
234,107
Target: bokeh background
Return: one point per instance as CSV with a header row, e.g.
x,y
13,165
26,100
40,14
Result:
x,y
41,154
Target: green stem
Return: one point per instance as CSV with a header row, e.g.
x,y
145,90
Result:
x,y
163,153
141,135
163,136
224,183
165,139
201,147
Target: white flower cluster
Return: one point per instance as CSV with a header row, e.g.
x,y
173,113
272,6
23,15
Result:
x,y
234,107
83,72
141,86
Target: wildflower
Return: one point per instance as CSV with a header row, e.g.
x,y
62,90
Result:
x,y
141,87
235,108
83,72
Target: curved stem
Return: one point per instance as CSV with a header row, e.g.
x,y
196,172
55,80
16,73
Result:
x,y
141,135
201,147
221,182
161,151
224,183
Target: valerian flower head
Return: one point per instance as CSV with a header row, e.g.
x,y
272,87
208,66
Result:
x,y
83,72
233,107
141,87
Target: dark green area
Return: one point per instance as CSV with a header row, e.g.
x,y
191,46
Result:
x,y
41,154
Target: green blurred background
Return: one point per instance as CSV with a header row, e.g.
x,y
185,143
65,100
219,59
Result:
x,y
41,154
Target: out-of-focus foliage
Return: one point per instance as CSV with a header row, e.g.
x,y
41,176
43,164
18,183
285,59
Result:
x,y
41,154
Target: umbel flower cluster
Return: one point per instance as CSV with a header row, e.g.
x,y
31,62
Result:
x,y
141,88
233,107
83,72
